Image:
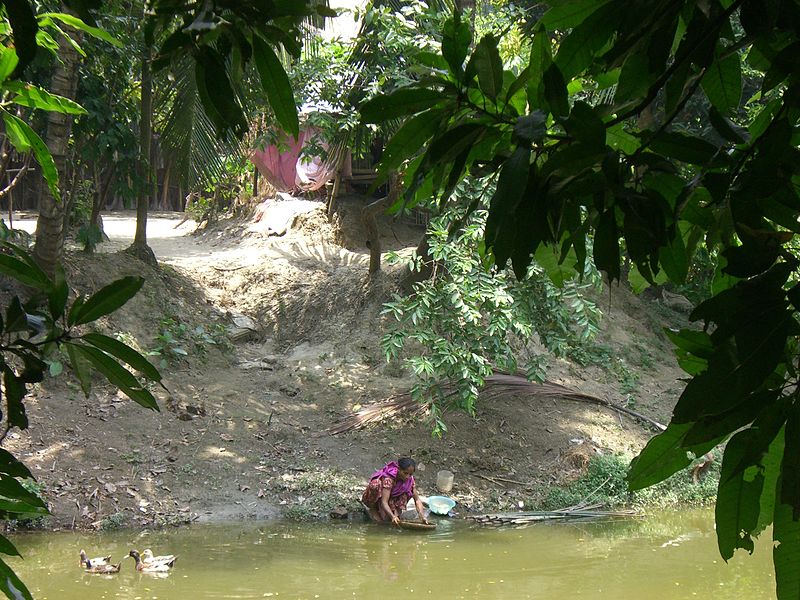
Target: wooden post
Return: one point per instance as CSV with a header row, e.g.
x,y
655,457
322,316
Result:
x,y
334,194
369,217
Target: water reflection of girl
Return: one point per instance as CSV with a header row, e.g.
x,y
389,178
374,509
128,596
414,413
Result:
x,y
389,490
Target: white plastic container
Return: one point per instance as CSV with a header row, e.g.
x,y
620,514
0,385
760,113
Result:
x,y
444,480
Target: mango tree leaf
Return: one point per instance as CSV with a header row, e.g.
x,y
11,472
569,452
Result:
x,y
24,273
786,549
24,25
555,91
117,375
510,189
58,293
517,86
540,59
11,585
20,508
81,367
36,97
683,147
697,342
106,300
15,391
34,367
709,428
566,14
9,465
738,498
12,489
489,66
771,465
722,83
585,126
95,32
576,50
6,547
637,282
665,455
549,258
674,259
16,134
734,371
24,139
124,353
790,467
456,39
606,244
8,62
619,139
277,86
74,310
405,101
781,66
727,128
411,136
16,319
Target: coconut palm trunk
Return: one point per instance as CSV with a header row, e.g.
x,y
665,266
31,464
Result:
x,y
50,224
139,248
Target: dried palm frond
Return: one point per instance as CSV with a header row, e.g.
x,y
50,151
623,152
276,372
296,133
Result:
x,y
399,405
495,386
527,518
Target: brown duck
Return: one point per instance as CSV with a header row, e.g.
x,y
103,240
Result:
x,y
98,560
102,569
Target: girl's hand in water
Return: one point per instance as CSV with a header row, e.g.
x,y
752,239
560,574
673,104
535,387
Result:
x,y
395,520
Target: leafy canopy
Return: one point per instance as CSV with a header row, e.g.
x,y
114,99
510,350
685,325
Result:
x,y
586,138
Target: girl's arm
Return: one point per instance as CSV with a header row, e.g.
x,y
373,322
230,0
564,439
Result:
x,y
385,501
418,503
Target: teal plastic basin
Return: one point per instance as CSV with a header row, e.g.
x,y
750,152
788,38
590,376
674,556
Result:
x,y
441,505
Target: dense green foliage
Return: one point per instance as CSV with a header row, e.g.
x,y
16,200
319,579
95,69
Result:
x,y
466,321
37,336
584,140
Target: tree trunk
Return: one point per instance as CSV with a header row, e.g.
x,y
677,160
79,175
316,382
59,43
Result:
x,y
50,224
369,217
255,182
165,193
139,248
423,251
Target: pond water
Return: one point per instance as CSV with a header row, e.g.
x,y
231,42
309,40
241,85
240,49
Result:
x,y
666,557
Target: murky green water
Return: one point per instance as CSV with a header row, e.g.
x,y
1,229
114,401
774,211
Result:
x,y
671,556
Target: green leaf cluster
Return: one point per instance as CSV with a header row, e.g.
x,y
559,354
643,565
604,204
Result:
x,y
593,138
469,321
34,335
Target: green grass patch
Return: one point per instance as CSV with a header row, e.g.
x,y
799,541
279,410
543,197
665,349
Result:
x,y
604,483
319,491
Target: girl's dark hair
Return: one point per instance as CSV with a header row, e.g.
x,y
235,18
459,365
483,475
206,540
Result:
x,y
404,463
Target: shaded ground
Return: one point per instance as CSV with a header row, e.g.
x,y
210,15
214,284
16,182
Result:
x,y
242,431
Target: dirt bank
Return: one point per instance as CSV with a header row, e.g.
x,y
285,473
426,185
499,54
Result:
x,y
242,430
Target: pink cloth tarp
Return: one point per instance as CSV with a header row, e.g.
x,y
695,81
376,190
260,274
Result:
x,y
288,171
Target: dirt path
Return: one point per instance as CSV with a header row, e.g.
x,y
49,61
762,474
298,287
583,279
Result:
x,y
242,432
